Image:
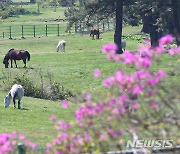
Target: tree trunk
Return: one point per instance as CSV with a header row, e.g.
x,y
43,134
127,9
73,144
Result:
x,y
176,16
153,30
32,1
118,28
145,28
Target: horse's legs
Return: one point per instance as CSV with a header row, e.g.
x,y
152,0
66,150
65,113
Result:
x,y
19,104
14,102
11,63
15,63
24,60
93,37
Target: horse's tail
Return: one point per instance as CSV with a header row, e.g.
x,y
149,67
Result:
x,y
28,55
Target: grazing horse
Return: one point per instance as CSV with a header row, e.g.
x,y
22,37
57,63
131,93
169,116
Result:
x,y
61,46
13,54
95,32
123,45
16,92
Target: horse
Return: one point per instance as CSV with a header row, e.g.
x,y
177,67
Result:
x,y
16,92
95,32
123,45
61,46
13,54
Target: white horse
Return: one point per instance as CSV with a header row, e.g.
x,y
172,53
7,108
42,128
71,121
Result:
x,y
61,46
16,92
123,45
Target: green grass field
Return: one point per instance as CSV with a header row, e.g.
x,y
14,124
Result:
x,y
73,69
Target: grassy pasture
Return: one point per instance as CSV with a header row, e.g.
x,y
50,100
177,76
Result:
x,y
73,69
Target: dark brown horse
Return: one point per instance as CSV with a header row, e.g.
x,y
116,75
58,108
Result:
x,y
13,54
95,32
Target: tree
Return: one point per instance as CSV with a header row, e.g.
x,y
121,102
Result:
x,y
32,1
118,29
99,9
176,19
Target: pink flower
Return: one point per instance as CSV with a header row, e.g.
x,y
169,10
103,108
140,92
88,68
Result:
x,y
87,136
88,97
53,117
109,82
102,137
166,39
21,137
111,47
63,136
14,134
56,142
28,143
137,89
173,51
97,73
62,125
48,145
154,105
136,106
129,58
160,49
64,104
34,146
145,62
161,74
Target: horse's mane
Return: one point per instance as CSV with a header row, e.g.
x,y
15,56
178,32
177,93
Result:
x,y
10,50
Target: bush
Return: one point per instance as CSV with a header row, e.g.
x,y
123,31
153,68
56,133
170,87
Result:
x,y
52,91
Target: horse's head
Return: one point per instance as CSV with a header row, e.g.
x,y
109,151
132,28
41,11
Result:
x,y
6,62
7,100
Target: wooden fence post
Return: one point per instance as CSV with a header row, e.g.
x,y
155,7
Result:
x,y
34,31
10,35
46,29
22,32
58,30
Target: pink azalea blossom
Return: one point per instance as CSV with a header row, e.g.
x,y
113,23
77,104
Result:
x,y
109,82
136,106
166,39
88,97
161,74
102,137
64,104
97,73
53,117
111,47
34,146
21,137
137,89
154,105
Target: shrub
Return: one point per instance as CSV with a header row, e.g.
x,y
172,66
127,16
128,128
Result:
x,y
38,89
138,103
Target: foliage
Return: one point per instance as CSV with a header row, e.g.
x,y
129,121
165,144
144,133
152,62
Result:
x,y
142,91
9,140
53,91
7,10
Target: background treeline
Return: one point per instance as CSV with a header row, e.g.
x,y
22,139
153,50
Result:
x,y
158,17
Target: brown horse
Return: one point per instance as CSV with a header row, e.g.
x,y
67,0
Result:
x,y
95,32
13,54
